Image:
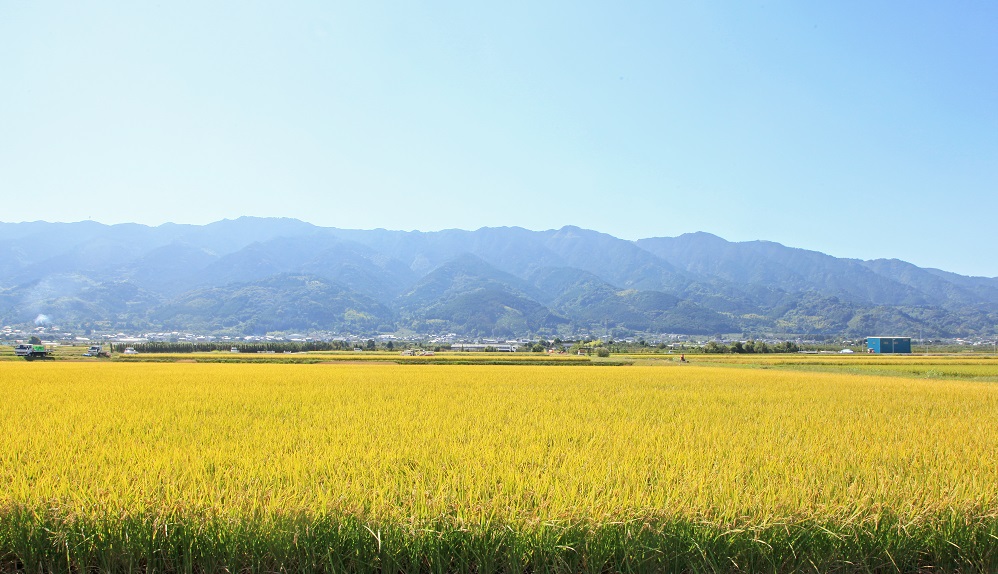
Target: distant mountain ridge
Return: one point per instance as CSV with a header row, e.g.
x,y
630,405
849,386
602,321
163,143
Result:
x,y
257,275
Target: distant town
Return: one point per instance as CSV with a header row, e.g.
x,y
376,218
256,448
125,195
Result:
x,y
54,335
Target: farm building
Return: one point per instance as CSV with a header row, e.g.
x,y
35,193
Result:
x,y
888,344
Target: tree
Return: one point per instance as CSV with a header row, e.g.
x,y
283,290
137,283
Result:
x,y
713,347
537,348
370,344
603,352
34,340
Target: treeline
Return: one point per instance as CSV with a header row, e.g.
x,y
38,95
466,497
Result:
x,y
268,347
751,347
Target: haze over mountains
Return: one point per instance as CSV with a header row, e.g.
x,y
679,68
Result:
x,y
258,275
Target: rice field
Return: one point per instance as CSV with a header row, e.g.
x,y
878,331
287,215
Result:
x,y
445,358
966,367
359,467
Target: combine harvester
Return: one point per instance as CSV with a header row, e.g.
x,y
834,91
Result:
x,y
97,351
31,352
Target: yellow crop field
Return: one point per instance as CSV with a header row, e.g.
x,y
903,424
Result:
x,y
492,468
445,358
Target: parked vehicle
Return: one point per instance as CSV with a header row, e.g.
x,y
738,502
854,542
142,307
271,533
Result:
x,y
31,352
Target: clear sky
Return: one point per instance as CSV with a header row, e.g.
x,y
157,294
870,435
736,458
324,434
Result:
x,y
860,129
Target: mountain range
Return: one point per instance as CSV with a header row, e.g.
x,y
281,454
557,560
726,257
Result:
x,y
252,276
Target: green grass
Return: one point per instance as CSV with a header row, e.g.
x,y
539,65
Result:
x,y
943,367
30,542
922,371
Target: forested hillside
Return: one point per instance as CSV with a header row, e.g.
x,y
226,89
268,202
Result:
x,y
258,275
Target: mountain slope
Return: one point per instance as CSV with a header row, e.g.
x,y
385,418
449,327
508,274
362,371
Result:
x,y
284,302
785,268
595,304
467,295
502,280
944,289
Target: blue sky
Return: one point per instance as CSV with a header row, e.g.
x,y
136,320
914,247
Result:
x,y
858,129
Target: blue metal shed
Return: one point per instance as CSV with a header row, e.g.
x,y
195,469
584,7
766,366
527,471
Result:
x,y
888,344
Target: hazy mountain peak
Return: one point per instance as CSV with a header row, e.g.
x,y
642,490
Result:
x,y
570,278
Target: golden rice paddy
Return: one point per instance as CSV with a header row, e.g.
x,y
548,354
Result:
x,y
899,462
